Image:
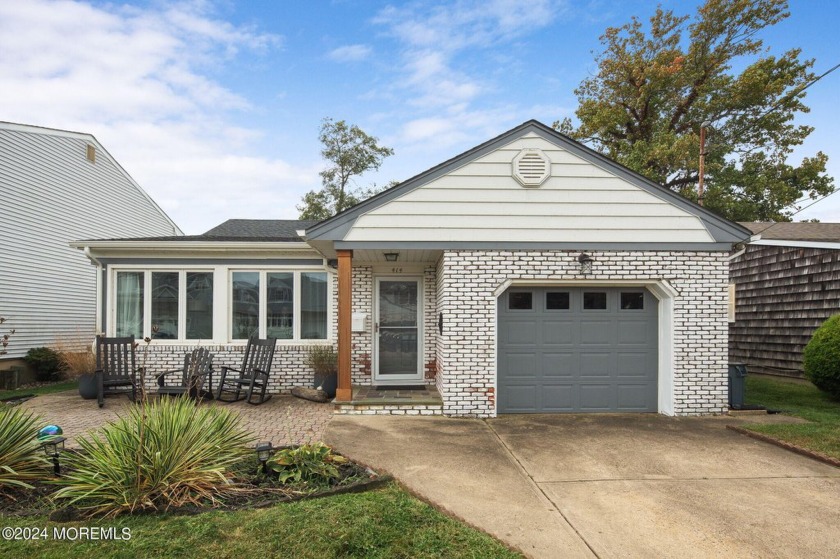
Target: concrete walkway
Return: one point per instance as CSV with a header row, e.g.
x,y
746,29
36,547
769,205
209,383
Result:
x,y
609,485
283,420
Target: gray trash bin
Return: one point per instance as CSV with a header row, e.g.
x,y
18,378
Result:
x,y
737,385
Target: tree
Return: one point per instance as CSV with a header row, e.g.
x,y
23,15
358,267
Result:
x,y
350,152
654,88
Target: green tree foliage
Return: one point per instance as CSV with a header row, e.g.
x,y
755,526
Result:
x,y
821,357
655,86
349,152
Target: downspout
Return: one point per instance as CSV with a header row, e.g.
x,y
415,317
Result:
x,y
98,319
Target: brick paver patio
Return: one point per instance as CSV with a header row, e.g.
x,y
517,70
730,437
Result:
x,y
283,420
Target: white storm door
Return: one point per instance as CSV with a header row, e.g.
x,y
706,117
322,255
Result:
x,y
397,330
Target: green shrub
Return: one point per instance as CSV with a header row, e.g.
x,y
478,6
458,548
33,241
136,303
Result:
x,y
46,362
160,455
821,357
309,463
21,457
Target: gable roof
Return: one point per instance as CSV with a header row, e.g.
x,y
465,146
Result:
x,y
789,231
101,152
335,228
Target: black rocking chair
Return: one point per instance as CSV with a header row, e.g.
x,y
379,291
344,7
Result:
x,y
252,377
198,366
116,368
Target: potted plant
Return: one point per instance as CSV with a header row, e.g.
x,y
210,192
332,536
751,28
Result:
x,y
324,362
78,362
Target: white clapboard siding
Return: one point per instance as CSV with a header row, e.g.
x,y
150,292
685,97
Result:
x,y
481,201
51,195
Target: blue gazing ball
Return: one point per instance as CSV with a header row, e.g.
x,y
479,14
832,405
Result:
x,y
49,431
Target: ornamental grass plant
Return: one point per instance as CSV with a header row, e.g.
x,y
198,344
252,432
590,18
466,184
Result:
x,y
161,455
21,457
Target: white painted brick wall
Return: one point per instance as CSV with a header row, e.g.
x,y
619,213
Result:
x,y
466,350
287,369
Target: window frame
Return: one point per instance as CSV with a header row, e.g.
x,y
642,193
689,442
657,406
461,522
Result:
x,y
147,299
263,302
222,300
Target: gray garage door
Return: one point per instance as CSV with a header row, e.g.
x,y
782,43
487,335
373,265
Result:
x,y
577,349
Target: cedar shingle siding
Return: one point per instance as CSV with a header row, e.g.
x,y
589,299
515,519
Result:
x,y
782,295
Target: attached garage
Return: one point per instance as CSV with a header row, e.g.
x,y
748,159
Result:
x,y
577,349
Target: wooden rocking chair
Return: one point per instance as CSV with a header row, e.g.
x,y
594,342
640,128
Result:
x,y
116,368
198,366
252,377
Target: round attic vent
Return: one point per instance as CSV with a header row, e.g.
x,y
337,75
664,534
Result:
x,y
531,167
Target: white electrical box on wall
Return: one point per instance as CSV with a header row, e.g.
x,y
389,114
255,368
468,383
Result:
x,y
359,323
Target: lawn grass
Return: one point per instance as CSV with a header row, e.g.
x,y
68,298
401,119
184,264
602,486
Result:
x,y
387,522
46,389
822,434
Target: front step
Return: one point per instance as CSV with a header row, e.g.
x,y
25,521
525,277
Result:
x,y
368,400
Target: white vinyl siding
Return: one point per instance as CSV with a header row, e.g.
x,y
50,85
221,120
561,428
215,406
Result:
x,y
482,201
52,195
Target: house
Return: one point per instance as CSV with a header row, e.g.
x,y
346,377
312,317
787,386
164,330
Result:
x,y
58,186
529,274
785,284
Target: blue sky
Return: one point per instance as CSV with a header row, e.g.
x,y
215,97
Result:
x,y
214,107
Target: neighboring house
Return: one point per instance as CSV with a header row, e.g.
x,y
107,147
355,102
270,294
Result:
x,y
786,283
58,186
529,274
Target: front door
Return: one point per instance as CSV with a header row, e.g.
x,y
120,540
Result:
x,y
398,331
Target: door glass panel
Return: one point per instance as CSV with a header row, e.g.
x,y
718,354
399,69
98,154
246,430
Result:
x,y
398,328
397,303
594,300
398,351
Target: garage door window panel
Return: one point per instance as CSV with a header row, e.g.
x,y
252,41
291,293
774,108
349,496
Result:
x,y
520,301
632,301
557,301
594,301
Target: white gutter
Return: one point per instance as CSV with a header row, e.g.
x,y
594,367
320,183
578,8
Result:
x,y
98,318
177,245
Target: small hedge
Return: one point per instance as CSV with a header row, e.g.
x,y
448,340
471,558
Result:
x,y
46,362
821,357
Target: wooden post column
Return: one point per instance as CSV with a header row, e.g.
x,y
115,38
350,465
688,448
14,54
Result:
x,y
344,392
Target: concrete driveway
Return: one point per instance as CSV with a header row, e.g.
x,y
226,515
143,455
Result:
x,y
609,485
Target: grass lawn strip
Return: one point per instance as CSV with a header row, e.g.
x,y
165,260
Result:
x,y
821,435
384,523
43,389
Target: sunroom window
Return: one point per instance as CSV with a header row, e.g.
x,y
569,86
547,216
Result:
x,y
282,305
130,304
179,305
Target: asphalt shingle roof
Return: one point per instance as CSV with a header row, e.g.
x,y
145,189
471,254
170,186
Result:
x,y
243,230
789,231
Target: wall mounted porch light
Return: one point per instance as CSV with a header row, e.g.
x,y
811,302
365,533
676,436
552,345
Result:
x,y
391,256
585,261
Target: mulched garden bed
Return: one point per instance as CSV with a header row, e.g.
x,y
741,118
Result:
x,y
250,489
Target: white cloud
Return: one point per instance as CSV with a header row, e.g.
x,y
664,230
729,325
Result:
x,y
443,89
350,53
141,82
